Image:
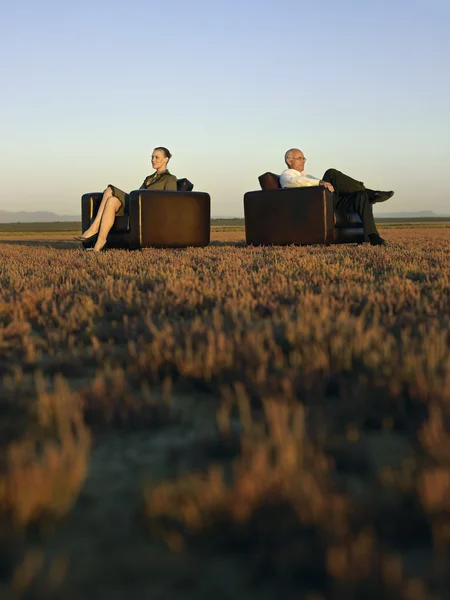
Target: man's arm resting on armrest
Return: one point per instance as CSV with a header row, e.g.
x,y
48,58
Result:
x,y
291,179
326,185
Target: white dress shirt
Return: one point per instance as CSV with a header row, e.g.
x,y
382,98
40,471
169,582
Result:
x,y
290,178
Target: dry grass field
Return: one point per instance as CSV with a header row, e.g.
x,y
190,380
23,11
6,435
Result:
x,y
229,422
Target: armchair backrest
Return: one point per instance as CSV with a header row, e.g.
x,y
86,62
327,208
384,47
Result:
x,y
269,181
184,185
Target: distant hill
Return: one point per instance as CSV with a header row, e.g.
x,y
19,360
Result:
x,y
421,214
227,221
51,217
34,217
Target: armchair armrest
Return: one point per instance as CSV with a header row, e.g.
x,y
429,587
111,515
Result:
x,y
168,219
289,216
89,206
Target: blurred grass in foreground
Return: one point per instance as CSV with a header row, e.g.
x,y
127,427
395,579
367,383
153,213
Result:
x,y
278,417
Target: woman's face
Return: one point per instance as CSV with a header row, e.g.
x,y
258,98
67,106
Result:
x,y
159,160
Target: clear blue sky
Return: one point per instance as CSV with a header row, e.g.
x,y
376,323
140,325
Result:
x,y
88,88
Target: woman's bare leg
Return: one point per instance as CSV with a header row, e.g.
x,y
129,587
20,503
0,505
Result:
x,y
110,208
95,225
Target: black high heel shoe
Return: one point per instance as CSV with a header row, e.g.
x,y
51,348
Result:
x,y
91,238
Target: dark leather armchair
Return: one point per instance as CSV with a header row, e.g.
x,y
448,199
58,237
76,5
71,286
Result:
x,y
296,216
160,219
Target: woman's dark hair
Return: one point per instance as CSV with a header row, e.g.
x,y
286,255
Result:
x,y
165,150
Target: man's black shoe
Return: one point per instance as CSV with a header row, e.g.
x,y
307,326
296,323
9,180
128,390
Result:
x,y
377,196
376,240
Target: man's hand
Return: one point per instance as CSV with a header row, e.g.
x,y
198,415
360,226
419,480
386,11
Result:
x,y
326,185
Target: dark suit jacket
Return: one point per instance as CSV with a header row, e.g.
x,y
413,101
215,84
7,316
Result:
x,y
162,181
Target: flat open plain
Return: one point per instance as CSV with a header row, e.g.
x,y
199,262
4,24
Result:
x,y
228,422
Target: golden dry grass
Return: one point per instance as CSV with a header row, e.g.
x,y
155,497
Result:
x,y
42,474
297,399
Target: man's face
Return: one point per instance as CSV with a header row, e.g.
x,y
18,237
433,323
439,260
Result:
x,y
296,160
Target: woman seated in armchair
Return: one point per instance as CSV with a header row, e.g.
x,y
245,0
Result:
x,y
115,201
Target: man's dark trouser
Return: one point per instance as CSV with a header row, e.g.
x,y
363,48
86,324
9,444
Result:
x,y
351,196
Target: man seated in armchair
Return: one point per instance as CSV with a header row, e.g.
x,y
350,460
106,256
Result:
x,y
349,194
